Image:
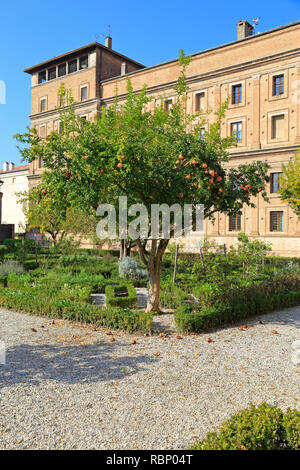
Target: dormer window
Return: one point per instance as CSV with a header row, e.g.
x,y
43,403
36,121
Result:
x,y
52,73
83,62
62,70
42,76
72,66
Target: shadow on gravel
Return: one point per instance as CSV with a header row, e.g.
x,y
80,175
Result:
x,y
32,364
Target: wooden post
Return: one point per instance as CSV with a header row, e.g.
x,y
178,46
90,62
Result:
x,y
23,250
201,257
36,250
175,262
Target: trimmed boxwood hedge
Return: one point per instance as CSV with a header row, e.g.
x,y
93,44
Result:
x,y
190,319
113,300
264,427
34,301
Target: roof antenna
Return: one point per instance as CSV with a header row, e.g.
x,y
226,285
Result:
x,y
255,22
97,36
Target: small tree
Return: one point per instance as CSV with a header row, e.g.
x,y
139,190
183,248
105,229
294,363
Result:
x,y
290,184
152,157
50,213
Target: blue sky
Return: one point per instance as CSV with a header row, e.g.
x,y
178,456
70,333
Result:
x,y
147,31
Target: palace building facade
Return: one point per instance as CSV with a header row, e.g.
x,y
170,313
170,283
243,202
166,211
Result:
x,y
258,73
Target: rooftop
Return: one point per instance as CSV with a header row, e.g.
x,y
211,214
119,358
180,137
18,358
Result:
x,y
75,52
16,168
248,38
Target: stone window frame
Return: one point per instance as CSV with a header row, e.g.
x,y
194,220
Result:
x,y
42,98
272,172
196,93
45,127
232,105
271,114
234,232
168,99
278,208
84,85
286,85
243,120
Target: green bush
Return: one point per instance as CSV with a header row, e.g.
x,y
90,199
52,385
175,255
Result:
x,y
10,266
264,427
123,295
172,296
3,251
190,317
51,303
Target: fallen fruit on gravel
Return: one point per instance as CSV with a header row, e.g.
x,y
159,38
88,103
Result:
x,y
133,341
208,340
178,337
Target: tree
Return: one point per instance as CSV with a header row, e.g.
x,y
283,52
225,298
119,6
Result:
x,y
152,157
290,184
51,215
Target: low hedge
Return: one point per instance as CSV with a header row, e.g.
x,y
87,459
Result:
x,y
264,427
189,318
112,299
33,302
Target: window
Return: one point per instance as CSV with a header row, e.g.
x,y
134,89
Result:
x,y
278,126
62,70
42,77
83,93
201,134
234,223
275,183
168,104
52,73
83,62
42,132
278,85
72,66
43,104
276,221
200,97
236,94
236,131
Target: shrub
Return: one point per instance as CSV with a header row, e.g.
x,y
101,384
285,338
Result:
x,y
264,427
121,296
172,296
10,266
3,250
129,269
191,317
35,300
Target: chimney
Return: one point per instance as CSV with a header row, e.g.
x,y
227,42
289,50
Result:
x,y
123,68
244,29
11,166
108,42
5,166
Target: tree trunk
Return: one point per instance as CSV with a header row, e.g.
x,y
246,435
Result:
x,y
154,271
175,263
125,248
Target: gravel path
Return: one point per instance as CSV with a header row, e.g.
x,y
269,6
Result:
x,y
66,386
